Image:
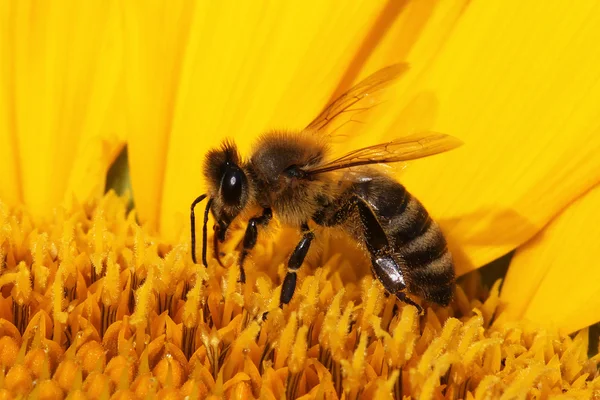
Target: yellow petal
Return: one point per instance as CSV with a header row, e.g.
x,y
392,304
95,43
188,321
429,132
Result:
x,y
554,278
61,65
10,186
418,34
519,84
156,35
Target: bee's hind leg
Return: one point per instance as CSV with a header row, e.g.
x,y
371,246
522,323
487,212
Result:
x,y
251,236
294,263
405,299
386,269
384,263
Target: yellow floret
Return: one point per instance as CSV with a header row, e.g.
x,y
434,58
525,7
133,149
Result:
x,y
99,307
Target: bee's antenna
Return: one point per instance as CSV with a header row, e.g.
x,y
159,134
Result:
x,y
193,227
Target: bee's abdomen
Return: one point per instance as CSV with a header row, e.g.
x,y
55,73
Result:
x,y
418,241
423,249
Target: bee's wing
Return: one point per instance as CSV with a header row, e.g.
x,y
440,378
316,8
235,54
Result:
x,y
358,99
401,149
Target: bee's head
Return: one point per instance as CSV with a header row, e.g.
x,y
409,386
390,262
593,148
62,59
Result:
x,y
228,184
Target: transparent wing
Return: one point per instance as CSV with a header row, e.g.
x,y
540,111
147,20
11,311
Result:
x,y
358,99
401,149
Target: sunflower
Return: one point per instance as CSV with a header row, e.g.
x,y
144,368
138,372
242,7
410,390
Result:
x,y
99,301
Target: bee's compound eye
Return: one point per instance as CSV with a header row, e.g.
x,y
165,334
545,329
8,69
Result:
x,y
232,185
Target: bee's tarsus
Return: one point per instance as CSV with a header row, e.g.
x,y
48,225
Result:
x,y
407,300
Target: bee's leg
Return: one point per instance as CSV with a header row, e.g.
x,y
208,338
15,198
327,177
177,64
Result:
x,y
384,264
405,299
295,262
251,236
193,228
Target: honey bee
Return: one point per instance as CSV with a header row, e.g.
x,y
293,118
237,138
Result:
x,y
292,175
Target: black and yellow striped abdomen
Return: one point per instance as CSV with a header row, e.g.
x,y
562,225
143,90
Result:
x,y
416,240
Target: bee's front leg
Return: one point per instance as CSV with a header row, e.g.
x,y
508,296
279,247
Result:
x,y
295,262
251,236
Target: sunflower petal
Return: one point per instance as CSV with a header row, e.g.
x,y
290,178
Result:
x,y
62,73
554,277
418,34
523,97
10,185
156,35
102,127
